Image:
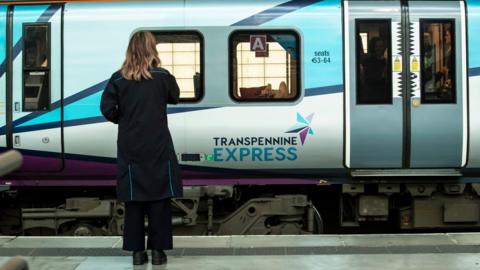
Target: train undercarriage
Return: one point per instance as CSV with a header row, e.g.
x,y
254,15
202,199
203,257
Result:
x,y
246,210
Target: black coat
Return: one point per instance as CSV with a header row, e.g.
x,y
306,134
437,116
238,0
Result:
x,y
148,168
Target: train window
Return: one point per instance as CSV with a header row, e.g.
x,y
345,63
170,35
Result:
x,y
36,46
373,55
438,61
36,66
180,53
264,65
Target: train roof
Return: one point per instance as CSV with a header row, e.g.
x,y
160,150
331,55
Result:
x,y
25,2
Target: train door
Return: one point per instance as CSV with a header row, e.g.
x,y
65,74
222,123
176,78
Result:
x,y
405,97
373,93
34,85
438,104
3,44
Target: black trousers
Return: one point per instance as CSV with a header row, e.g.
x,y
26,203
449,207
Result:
x,y
159,225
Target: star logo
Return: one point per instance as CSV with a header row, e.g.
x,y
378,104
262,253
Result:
x,y
302,127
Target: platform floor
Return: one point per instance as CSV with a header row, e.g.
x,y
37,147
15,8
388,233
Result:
x,y
332,252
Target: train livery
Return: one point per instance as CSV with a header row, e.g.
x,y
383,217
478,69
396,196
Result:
x,y
374,102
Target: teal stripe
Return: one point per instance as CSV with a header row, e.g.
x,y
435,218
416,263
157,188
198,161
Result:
x,y
131,185
170,178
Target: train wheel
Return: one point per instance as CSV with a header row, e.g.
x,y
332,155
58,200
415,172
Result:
x,y
83,230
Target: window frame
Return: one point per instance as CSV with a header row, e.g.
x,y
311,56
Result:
x,y
389,59
47,69
197,33
454,59
232,52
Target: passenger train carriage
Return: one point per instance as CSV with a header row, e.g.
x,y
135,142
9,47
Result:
x,y
374,102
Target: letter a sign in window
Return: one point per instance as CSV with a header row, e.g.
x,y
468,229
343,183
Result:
x,y
258,43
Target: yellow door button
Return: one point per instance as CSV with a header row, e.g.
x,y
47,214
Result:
x,y
416,102
415,67
397,65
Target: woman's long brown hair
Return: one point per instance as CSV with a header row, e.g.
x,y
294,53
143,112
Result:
x,y
141,56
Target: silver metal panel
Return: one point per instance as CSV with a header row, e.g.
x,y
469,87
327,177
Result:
x,y
474,126
374,132
406,172
473,8
438,130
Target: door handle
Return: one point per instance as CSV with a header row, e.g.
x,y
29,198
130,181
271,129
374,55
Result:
x,y
16,140
17,106
416,102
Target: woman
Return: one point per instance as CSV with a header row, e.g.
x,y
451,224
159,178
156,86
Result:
x,y
148,173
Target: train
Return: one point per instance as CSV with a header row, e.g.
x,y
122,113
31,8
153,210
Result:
x,y
295,117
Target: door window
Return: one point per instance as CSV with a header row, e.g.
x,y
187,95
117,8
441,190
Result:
x,y
438,61
36,67
373,54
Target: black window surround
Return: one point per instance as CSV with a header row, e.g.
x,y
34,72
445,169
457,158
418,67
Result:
x,y
296,67
37,70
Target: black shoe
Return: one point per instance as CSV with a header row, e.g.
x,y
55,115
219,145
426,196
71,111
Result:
x,y
158,257
140,257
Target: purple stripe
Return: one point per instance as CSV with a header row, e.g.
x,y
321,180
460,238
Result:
x,y
81,167
187,182
41,164
59,183
92,173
